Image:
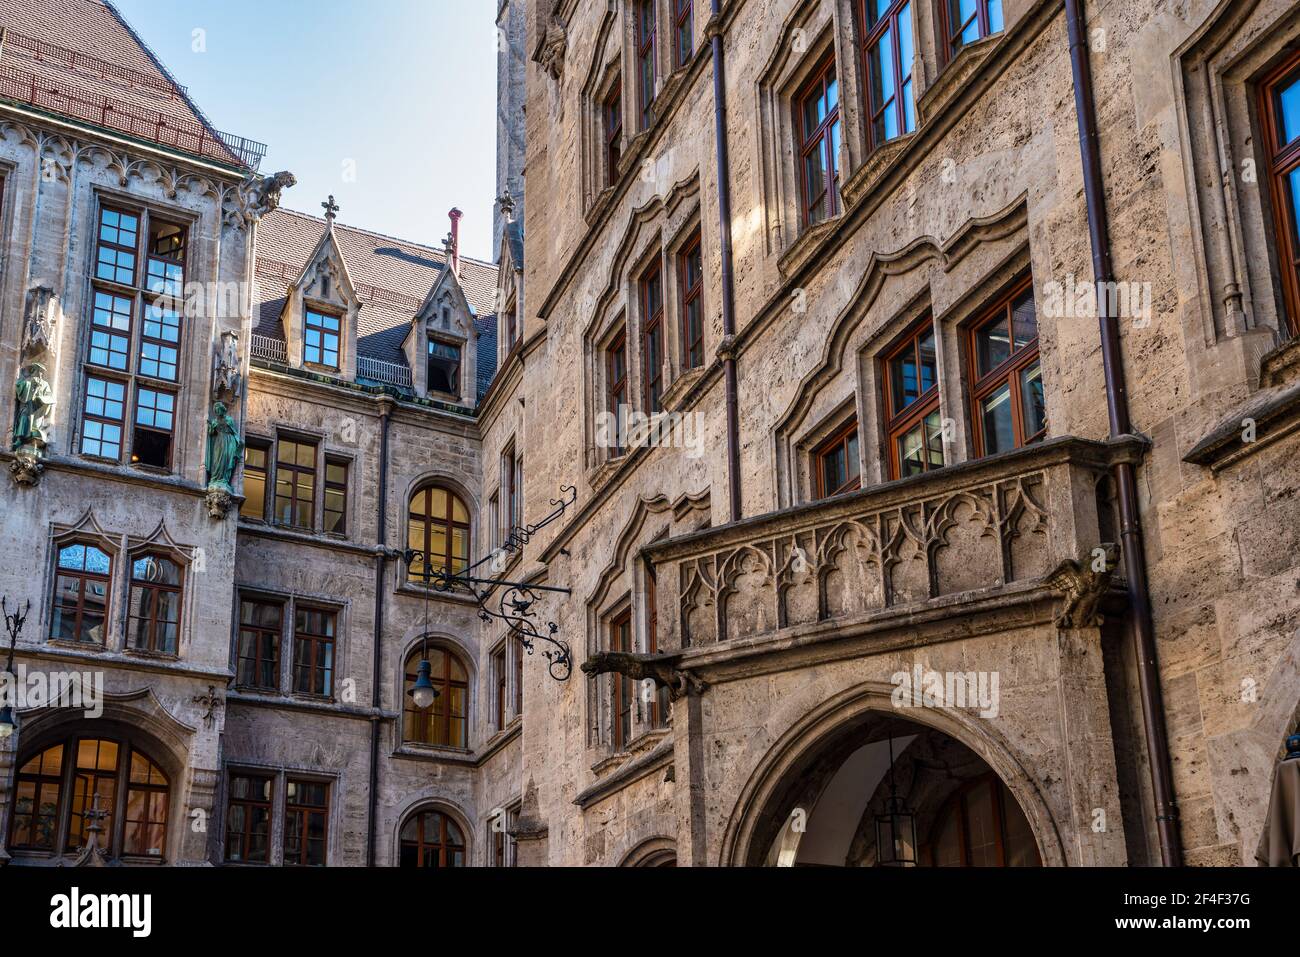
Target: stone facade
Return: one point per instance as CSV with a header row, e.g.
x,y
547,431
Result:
x,y
742,685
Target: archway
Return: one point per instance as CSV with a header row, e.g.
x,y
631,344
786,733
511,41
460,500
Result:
x,y
815,795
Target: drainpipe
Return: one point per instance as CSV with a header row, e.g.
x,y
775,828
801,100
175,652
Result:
x,y
726,350
381,568
1139,599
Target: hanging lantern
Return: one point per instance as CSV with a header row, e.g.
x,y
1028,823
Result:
x,y
895,828
423,692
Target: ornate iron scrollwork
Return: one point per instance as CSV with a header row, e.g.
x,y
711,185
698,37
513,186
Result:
x,y
516,601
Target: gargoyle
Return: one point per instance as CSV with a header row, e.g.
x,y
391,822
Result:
x,y
258,195
639,667
1082,586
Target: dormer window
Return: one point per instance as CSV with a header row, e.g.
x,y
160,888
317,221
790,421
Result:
x,y
444,367
320,339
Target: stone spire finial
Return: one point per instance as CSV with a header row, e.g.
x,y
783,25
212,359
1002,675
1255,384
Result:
x,y
331,208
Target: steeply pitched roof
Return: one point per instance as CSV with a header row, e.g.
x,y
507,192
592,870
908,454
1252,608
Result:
x,y
391,276
74,57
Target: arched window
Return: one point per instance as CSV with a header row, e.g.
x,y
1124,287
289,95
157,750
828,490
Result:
x,y
155,604
80,594
59,790
446,721
438,531
432,839
981,825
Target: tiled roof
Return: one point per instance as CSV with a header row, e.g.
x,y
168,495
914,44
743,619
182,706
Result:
x,y
392,278
76,57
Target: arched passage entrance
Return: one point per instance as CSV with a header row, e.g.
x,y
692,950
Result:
x,y
814,796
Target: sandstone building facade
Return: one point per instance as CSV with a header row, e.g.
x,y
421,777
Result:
x,y
891,544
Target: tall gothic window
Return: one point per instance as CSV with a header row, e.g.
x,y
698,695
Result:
x,y
616,383
438,531
818,120
1007,391
646,71
612,114
690,269
61,791
652,339
136,305
1280,102
446,721
155,604
911,386
432,839
81,578
888,53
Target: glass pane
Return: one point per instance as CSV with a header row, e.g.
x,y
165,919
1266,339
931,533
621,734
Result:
x,y
1288,108
1024,320
980,826
992,345
934,440
995,16
1293,187
1034,412
910,453
995,415
833,470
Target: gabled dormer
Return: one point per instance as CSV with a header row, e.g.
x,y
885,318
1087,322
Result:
x,y
441,345
321,310
510,293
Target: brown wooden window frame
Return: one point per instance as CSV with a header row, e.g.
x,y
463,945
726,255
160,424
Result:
x,y
517,667
898,424
873,34
820,139
321,662
443,846
339,488
652,338
611,109
446,560
840,439
86,579
245,834
957,805
438,717
140,430
253,472
155,594
264,644
659,699
1008,371
683,32
623,688
950,42
103,419
1283,159
617,384
293,470
326,334
691,258
646,56
298,817
499,677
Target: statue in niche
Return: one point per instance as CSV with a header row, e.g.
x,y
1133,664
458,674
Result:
x,y
38,320
226,377
34,399
224,450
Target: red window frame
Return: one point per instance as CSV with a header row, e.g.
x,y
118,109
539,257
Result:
x,y
259,644
314,651
873,33
818,142
1008,371
1283,162
844,440
899,422
652,338
684,31
690,265
647,73
612,110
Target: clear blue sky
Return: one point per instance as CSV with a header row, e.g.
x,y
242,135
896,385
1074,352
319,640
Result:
x,y
404,88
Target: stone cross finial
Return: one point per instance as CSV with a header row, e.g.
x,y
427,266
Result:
x,y
331,208
448,244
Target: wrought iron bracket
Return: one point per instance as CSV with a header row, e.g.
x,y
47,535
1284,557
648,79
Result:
x,y
516,600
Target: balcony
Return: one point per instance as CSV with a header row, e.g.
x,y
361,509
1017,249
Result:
x,y
893,555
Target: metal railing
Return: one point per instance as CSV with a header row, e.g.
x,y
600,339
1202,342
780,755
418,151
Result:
x,y
380,370
268,348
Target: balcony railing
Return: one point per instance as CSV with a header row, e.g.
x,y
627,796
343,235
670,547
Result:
x,y
268,349
966,530
388,373
19,83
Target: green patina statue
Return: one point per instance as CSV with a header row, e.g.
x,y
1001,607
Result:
x,y
34,400
224,448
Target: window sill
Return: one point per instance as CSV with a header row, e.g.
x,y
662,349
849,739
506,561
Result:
x,y
955,75
433,752
151,655
417,591
598,475
803,248
682,385
873,169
